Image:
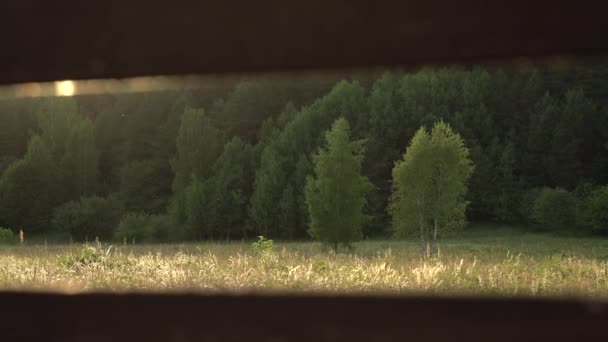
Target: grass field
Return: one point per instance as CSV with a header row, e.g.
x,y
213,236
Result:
x,y
497,262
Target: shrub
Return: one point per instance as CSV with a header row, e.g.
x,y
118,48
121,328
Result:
x,y
86,255
162,228
555,209
263,246
133,227
141,227
526,209
595,210
89,218
7,237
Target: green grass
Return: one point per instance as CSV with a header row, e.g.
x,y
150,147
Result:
x,y
489,261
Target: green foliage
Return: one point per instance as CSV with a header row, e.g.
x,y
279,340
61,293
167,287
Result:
x,y
142,188
199,209
263,246
192,160
507,200
595,210
199,144
449,174
527,202
89,218
564,162
56,119
410,201
429,184
240,168
79,164
29,190
7,237
555,209
217,205
336,195
87,255
5,162
284,160
145,228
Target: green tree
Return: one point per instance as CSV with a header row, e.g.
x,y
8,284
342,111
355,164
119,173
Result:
x,y
410,201
565,162
88,218
282,164
28,190
229,189
140,187
79,165
555,209
269,180
506,204
336,194
56,119
430,184
199,144
451,170
595,210
199,209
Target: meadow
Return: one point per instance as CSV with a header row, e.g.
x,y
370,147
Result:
x,y
501,262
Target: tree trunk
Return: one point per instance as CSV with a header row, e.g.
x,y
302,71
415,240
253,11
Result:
x,y
335,247
422,244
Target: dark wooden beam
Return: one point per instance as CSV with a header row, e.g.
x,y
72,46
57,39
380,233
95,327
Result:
x,y
102,317
74,39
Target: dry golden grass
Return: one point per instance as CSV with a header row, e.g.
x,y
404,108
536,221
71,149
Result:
x,y
508,265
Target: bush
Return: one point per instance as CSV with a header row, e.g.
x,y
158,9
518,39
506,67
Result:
x,y
555,209
583,193
89,218
595,210
526,209
87,255
263,246
140,227
7,237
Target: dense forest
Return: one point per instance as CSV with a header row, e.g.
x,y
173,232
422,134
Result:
x,y
232,162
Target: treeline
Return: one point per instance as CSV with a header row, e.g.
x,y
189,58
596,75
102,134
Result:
x,y
232,162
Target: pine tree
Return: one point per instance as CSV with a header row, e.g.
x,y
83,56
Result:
x,y
336,194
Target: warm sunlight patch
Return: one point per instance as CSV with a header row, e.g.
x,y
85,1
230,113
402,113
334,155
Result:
x,y
64,88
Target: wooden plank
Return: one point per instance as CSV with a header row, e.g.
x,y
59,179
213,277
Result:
x,y
103,317
74,39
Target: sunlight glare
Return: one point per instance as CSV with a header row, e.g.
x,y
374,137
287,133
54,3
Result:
x,y
64,88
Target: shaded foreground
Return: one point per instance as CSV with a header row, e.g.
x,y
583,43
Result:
x,y
504,264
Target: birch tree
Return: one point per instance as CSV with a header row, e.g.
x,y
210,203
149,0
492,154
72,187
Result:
x,y
429,185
